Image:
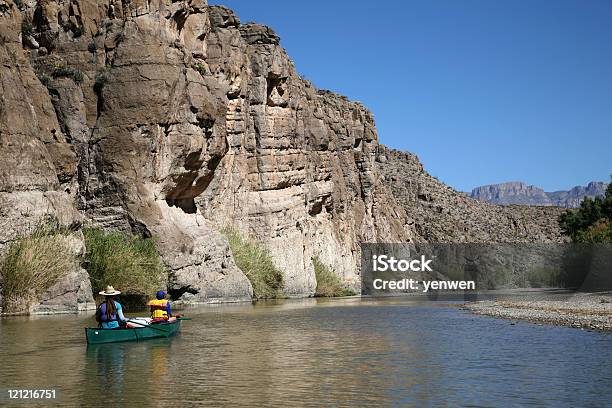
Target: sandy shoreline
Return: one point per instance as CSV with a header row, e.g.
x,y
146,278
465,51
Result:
x,y
581,310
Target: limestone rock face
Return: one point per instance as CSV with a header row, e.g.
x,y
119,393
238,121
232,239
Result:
x,y
38,164
200,260
185,121
298,174
440,214
171,119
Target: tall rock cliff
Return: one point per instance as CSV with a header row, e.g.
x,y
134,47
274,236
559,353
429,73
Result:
x,y
172,120
38,164
517,192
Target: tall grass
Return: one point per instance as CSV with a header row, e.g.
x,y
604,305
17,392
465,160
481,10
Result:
x,y
256,263
130,264
31,265
328,283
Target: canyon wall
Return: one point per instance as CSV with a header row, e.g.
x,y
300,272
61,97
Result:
x,y
172,120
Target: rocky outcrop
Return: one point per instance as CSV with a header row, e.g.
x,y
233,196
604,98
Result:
x,y
38,164
171,120
440,214
517,192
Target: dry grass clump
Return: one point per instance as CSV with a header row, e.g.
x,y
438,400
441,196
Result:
x,y
328,283
256,263
31,265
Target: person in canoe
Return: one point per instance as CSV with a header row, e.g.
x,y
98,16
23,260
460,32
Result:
x,y
161,311
109,314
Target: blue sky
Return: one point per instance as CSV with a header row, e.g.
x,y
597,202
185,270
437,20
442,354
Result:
x,y
484,91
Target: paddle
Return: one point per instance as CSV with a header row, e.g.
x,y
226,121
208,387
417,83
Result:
x,y
147,325
183,318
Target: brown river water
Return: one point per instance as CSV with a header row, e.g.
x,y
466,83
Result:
x,y
313,352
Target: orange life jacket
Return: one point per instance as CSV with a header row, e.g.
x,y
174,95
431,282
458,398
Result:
x,y
158,308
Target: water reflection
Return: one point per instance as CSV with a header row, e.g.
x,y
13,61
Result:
x,y
127,371
106,364
313,352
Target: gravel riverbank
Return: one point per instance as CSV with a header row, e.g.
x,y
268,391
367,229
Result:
x,y
582,310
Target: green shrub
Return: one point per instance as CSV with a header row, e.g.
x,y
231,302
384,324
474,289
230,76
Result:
x,y
328,283
102,77
201,69
599,232
590,222
91,47
256,263
43,78
130,264
31,265
60,70
78,76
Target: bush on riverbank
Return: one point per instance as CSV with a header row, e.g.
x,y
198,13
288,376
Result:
x,y
130,264
599,232
32,264
256,263
591,222
328,283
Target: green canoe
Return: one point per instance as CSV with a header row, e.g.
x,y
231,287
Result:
x,y
99,336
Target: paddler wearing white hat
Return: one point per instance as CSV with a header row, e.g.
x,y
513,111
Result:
x,y
109,314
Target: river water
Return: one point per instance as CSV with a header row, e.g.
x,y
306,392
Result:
x,y
337,352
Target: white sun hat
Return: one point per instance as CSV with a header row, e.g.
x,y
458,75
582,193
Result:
x,y
109,291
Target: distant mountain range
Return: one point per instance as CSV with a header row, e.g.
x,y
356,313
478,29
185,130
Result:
x,y
517,192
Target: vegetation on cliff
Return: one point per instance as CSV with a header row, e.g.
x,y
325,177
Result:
x,y
592,222
130,264
32,264
256,263
328,283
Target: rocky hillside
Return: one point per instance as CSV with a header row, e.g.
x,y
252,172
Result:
x,y
172,120
517,192
437,213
